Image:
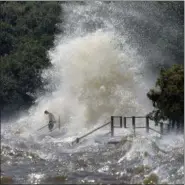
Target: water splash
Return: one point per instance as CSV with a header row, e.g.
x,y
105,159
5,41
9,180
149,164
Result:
x,y
95,80
99,69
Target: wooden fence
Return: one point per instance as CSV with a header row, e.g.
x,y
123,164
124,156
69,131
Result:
x,y
124,124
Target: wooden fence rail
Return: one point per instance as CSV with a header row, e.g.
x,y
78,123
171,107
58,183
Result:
x,y
134,127
123,123
79,138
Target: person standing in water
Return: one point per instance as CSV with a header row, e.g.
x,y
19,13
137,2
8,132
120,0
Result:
x,y
52,120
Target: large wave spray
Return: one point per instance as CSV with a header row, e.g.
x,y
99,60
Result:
x,y
95,74
93,80
103,63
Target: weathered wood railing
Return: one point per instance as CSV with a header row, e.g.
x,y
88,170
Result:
x,y
123,123
147,125
79,138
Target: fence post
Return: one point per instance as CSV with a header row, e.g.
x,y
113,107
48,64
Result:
x,y
168,128
161,127
147,124
173,125
178,127
121,122
182,127
77,140
125,123
133,123
112,125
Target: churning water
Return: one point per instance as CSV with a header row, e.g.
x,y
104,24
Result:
x,y
104,63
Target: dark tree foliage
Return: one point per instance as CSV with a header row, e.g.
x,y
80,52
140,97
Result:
x,y
27,32
168,96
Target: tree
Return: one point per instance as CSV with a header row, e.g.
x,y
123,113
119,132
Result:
x,y
27,32
168,95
